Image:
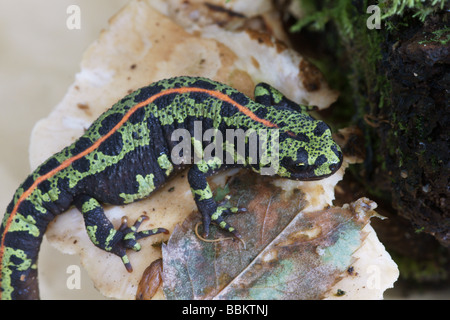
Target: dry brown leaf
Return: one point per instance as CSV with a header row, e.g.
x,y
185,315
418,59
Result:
x,y
288,253
150,281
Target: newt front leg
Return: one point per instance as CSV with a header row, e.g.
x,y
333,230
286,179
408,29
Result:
x,y
203,196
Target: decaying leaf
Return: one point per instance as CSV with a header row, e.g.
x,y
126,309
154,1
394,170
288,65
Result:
x,y
288,254
150,281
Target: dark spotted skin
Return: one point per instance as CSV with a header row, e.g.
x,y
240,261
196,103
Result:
x,y
126,154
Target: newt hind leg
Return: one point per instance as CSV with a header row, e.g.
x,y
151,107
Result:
x,y
103,234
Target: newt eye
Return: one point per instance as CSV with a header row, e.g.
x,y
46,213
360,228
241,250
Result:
x,y
335,166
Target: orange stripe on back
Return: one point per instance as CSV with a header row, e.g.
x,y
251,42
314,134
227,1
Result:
x,y
68,162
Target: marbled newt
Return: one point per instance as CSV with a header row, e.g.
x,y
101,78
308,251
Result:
x,y
130,151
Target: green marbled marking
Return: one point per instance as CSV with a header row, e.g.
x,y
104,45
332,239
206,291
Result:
x,y
112,233
27,224
130,236
8,265
90,205
146,186
26,262
125,259
164,163
91,231
203,194
197,148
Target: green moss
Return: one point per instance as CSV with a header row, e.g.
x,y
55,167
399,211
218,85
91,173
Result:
x,y
316,18
362,45
420,271
358,50
441,36
420,8
352,63
419,230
